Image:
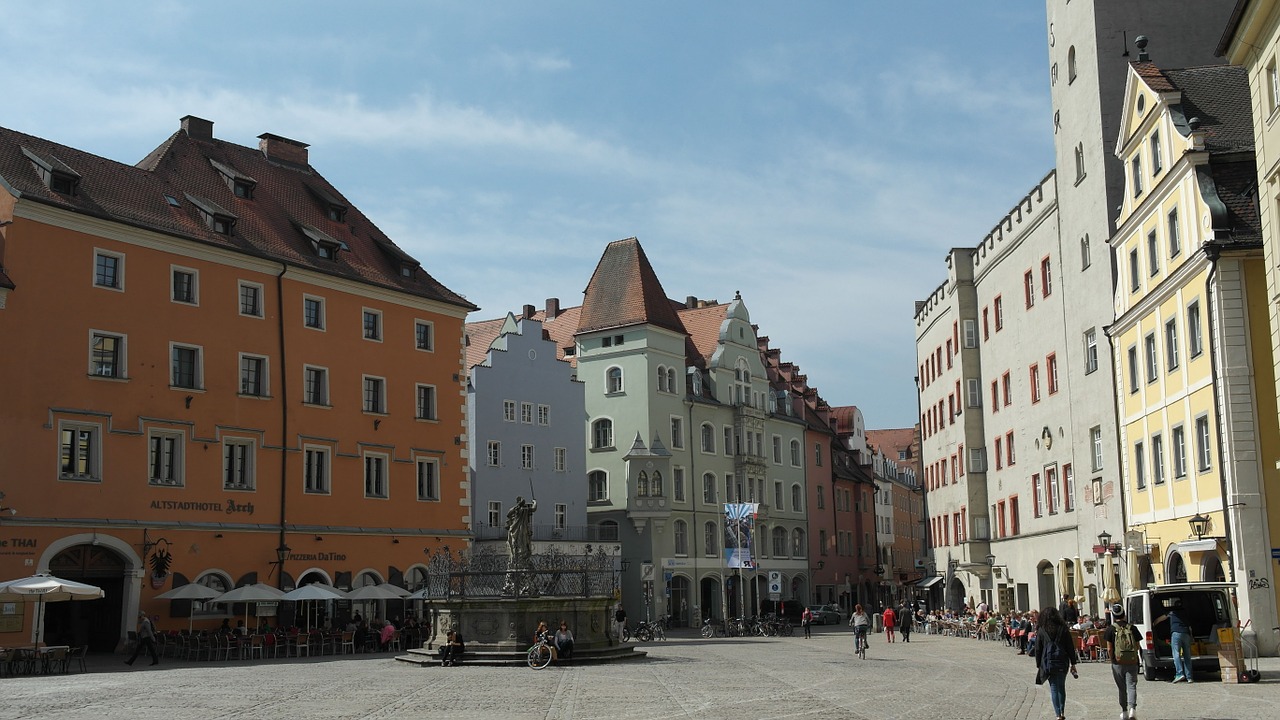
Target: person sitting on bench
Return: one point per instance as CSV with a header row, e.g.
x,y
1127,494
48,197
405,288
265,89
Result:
x,y
451,651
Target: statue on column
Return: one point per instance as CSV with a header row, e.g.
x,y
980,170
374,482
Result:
x,y
519,580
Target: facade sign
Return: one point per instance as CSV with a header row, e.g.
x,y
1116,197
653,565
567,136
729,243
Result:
x,y
739,534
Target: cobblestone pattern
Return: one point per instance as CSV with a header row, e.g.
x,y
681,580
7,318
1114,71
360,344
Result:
x,y
685,677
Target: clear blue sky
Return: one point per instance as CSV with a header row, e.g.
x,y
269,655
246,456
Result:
x,y
819,157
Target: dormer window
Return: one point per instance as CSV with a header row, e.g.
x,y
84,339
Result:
x,y
55,174
325,252
337,213
214,215
334,208
241,185
324,245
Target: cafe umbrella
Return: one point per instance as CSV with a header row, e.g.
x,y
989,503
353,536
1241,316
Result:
x,y
45,588
191,591
374,593
255,593
314,591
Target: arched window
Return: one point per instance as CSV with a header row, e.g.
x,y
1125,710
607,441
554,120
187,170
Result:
x,y
597,485
602,433
795,453
779,542
642,484
662,379
671,380
708,438
213,581
797,543
1071,64
681,530
762,544
613,380
655,485
797,498
711,539
742,383
608,531
709,488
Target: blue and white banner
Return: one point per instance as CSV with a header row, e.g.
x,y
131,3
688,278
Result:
x,y
739,534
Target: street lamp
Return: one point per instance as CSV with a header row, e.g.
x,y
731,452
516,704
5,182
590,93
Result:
x,y
282,554
3,509
1199,525
991,560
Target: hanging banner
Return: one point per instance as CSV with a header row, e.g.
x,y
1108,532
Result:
x,y
739,534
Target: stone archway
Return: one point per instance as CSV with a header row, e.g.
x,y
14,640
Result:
x,y
1211,569
95,623
1175,569
122,590
709,598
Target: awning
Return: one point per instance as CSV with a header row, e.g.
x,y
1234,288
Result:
x,y
929,581
1208,544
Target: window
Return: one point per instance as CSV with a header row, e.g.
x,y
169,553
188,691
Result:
x,y
1140,464
253,375
1179,450
1195,346
1273,87
1071,64
559,455
1090,350
709,489
613,380
642,484
677,482
526,413
795,453
1203,456
597,486
655,484
1153,253
495,453
1035,383
777,450
375,476
711,540
237,464
1051,372
426,402
164,458
1175,242
1157,458
424,335
1135,271
1037,494
1029,288
108,270
313,312
186,371
1068,487
1153,367
184,286
315,385
817,454
995,396
1171,344
526,457
777,496
106,355
315,470
79,455
970,333
1156,163
974,393
1046,277
662,379
250,299
509,410
998,304
1079,162
797,543
822,503
428,479
1006,388
708,438
372,324
1085,259
986,326
375,394
677,433
495,513
1008,446
1136,175
797,499
779,542
1095,442
681,531
602,434
544,415
1055,491
1135,374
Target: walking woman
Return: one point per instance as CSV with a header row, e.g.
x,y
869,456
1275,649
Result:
x,y
1055,655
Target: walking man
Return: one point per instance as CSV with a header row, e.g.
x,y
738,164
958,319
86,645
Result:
x,y
806,619
1122,645
146,639
619,621
889,617
905,622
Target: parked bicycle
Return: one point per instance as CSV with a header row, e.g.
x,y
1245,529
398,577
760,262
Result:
x,y
712,628
644,631
540,655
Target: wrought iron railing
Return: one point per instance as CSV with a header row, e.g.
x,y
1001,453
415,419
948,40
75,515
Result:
x,y
483,573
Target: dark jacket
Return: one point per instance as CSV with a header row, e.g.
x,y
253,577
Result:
x,y
1063,640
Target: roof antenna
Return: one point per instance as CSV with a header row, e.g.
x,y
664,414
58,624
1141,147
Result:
x,y
1141,42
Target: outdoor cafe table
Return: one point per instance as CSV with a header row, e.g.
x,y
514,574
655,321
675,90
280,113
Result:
x,y
30,660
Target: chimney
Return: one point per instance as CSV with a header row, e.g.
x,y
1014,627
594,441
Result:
x,y
691,301
553,308
283,149
529,310
197,128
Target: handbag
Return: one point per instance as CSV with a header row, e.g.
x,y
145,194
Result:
x,y
1040,676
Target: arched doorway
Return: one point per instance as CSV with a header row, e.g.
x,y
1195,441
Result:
x,y
955,594
678,608
1175,570
1211,569
95,623
1146,574
1046,594
709,598
800,589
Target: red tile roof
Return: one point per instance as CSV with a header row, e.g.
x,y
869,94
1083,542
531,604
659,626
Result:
x,y
480,335
891,441
703,327
624,290
286,196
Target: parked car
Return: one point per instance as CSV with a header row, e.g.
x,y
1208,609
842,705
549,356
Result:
x,y
1206,607
825,615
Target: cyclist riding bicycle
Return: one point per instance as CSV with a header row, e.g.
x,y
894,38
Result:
x,y
860,623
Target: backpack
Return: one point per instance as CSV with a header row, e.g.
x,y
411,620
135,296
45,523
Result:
x,y
1126,646
1055,658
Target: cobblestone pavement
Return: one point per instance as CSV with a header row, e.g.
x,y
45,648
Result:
x,y
930,677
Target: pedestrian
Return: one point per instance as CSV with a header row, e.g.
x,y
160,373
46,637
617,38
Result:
x,y
1055,656
1070,613
806,619
860,624
1122,645
619,621
146,639
904,623
889,617
1179,641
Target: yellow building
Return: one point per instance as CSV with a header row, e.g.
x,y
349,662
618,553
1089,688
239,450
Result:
x,y
1190,340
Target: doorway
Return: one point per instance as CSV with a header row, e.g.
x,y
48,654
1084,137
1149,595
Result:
x,y
95,623
679,601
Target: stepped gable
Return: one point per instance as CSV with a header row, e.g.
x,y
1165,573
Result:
x,y
164,192
560,329
624,290
480,335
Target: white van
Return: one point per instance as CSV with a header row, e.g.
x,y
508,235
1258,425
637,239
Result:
x,y
1205,606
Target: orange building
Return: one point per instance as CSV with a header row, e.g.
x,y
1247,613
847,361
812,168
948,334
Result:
x,y
211,359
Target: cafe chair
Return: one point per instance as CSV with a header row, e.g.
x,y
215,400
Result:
x,y
55,660
348,643
78,656
256,647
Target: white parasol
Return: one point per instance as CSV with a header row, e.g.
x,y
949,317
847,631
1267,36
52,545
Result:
x,y
255,593
314,591
45,588
195,592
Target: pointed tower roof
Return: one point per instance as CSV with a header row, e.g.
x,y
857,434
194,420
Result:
x,y
624,290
